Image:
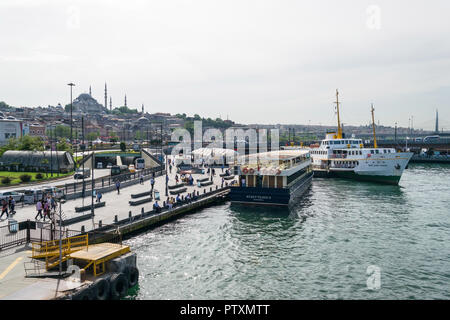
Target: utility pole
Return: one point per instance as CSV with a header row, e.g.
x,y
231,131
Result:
x,y
162,146
51,153
82,135
71,121
61,201
395,135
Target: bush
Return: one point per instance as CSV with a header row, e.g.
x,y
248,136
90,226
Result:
x,y
6,180
25,178
39,176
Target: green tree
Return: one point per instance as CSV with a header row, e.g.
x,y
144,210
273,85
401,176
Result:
x,y
63,146
123,146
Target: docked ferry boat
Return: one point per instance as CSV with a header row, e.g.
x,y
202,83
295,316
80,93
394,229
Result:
x,y
348,158
273,178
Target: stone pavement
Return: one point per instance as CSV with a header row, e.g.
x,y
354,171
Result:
x,y
116,204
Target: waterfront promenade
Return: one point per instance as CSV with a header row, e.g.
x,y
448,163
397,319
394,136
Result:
x,y
14,284
116,204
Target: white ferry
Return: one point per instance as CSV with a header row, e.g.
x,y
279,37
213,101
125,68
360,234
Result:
x,y
273,178
348,158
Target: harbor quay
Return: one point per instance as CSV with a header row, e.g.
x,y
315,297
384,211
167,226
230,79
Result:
x,y
117,204
117,215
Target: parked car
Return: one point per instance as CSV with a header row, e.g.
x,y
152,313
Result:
x,y
16,195
80,173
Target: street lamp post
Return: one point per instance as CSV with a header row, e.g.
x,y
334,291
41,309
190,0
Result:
x,y
167,180
61,201
71,107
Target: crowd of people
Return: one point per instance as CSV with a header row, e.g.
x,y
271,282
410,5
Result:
x,y
46,206
8,207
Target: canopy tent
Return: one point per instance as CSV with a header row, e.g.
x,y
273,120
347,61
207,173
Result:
x,y
208,155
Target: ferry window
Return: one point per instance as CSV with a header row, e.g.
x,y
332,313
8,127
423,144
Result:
x,y
384,150
377,151
360,152
371,151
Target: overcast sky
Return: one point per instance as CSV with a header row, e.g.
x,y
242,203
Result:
x,y
256,61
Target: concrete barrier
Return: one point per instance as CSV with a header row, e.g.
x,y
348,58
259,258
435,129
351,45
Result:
x,y
178,191
140,195
89,207
138,202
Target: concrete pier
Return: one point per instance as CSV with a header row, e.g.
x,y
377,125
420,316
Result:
x,y
117,213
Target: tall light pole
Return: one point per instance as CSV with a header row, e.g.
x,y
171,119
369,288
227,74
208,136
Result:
x,y
71,107
162,146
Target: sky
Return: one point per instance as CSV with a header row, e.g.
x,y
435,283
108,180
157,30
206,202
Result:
x,y
255,61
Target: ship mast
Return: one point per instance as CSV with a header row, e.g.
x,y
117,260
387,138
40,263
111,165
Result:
x,y
339,133
373,126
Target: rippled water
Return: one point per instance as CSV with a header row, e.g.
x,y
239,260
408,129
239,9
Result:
x,y
319,250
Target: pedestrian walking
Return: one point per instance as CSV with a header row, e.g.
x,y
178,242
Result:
x,y
12,205
222,167
46,210
141,179
118,186
53,204
152,183
38,209
176,179
4,208
167,179
99,196
170,168
223,180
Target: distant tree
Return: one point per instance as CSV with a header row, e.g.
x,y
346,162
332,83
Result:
x,y
63,146
124,110
123,146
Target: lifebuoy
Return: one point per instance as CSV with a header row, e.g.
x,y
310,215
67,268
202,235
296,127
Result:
x,y
101,289
133,276
252,171
245,170
119,285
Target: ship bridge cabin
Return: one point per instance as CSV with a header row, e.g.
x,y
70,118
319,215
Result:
x,y
276,169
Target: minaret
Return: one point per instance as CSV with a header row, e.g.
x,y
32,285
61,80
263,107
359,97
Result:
x,y
142,109
110,103
90,92
106,97
436,129
125,100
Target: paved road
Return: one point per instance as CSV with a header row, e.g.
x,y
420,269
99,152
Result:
x,y
98,173
116,204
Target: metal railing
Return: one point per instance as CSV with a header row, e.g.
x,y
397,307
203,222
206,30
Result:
x,y
108,181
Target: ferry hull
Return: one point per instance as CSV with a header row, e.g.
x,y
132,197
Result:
x,y
270,196
365,177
